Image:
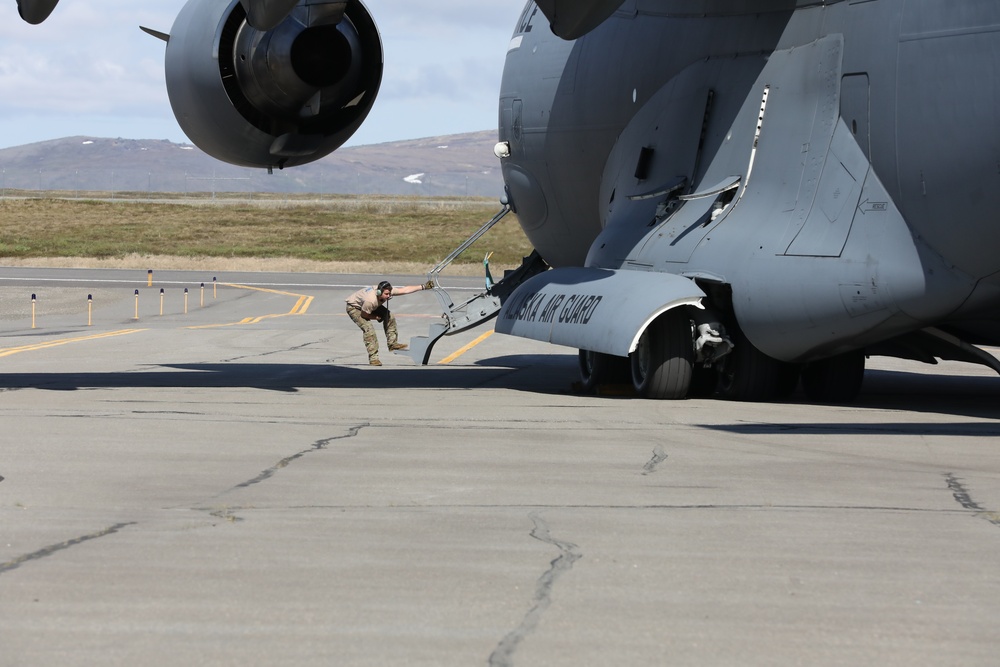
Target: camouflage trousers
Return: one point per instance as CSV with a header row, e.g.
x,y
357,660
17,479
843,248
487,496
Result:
x,y
368,330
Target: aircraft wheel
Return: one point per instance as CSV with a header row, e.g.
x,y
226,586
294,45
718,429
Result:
x,y
835,380
750,375
703,382
788,379
663,361
598,368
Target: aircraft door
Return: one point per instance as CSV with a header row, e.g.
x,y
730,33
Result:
x,y
523,179
511,125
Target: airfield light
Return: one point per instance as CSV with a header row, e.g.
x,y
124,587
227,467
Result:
x,y
161,301
137,304
90,306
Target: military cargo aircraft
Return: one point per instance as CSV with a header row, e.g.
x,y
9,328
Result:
x,y
724,196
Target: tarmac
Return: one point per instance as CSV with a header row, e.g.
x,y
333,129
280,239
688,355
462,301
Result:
x,y
221,479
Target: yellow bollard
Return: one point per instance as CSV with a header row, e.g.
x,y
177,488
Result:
x,y
137,304
214,295
161,301
90,309
149,278
32,311
185,300
203,295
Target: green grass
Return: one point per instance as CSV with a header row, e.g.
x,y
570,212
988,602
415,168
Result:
x,y
333,229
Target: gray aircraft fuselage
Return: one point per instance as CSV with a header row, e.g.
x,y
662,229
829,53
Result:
x,y
829,173
726,196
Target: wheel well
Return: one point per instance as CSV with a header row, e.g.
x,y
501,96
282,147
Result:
x,y
718,298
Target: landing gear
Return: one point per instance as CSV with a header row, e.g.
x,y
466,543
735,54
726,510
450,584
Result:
x,y
597,368
747,374
663,361
835,380
667,364
704,380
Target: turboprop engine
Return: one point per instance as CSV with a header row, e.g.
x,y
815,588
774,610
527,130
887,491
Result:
x,y
272,98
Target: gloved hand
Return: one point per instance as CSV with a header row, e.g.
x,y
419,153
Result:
x,y
428,285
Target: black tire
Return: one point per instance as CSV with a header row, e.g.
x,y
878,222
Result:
x,y
703,382
663,361
835,380
748,374
788,379
597,368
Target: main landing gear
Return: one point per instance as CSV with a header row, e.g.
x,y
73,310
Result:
x,y
677,357
663,361
661,367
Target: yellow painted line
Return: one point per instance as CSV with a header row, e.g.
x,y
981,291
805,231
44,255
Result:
x,y
6,352
300,307
452,357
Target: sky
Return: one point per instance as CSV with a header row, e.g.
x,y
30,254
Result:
x,y
88,70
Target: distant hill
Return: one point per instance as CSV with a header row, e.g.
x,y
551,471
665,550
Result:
x,y
453,165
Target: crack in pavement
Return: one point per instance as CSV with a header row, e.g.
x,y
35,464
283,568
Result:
x,y
285,462
659,456
503,655
54,548
964,498
225,514
294,348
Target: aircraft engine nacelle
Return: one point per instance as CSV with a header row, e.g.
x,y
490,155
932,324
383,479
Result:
x,y
275,98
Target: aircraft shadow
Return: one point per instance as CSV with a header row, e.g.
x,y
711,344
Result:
x,y
526,373
970,429
901,392
974,397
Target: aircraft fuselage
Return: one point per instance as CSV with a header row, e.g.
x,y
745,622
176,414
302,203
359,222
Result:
x,y
854,146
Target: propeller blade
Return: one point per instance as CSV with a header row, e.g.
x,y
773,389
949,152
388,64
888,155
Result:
x,y
35,11
156,33
266,14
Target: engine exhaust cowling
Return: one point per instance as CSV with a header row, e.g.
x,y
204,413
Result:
x,y
275,98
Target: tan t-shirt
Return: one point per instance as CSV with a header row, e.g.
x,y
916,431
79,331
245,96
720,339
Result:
x,y
365,298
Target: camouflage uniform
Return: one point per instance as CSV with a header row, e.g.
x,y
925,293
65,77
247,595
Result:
x,y
366,300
